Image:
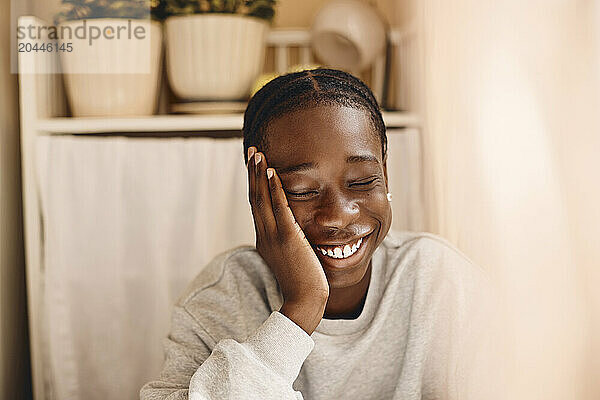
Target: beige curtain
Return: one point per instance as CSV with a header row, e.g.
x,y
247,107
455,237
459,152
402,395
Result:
x,y
511,145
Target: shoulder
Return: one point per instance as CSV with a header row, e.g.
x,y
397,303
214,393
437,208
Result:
x,y
240,263
426,243
433,261
441,284
232,294
427,249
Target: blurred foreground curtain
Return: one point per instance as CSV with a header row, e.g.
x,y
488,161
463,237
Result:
x,y
15,382
511,159
127,224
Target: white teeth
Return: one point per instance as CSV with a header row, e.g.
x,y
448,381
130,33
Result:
x,y
341,251
347,251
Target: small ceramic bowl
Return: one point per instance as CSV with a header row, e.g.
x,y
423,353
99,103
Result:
x,y
348,34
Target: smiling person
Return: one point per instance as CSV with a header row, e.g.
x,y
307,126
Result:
x,y
330,304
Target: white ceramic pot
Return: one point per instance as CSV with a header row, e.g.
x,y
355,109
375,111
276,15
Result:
x,y
214,56
112,77
348,34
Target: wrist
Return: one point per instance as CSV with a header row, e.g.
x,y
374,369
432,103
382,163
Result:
x,y
305,313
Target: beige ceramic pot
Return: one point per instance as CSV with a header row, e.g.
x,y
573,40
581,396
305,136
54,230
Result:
x,y
214,56
113,68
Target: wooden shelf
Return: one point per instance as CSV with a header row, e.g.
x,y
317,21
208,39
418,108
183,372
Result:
x,y
177,123
400,119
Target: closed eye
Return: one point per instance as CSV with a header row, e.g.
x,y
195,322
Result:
x,y
301,194
364,183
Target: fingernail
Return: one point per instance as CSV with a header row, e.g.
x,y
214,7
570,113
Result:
x,y
269,173
251,152
257,159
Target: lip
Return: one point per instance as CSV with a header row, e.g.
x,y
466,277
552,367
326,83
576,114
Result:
x,y
344,243
339,264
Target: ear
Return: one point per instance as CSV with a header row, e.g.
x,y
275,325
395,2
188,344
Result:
x,y
385,175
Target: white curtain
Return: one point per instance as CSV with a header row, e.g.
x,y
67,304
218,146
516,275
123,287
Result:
x,y
511,146
127,224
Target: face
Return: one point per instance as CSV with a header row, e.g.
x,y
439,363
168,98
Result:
x,y
332,170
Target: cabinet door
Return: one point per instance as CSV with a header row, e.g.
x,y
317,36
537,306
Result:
x,y
405,174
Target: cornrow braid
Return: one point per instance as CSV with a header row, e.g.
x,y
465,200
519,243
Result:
x,y
304,89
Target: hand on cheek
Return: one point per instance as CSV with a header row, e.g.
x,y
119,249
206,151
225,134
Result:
x,y
282,244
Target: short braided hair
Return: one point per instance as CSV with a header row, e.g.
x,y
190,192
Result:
x,y
304,89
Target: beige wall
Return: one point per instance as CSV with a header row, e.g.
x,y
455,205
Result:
x,y
13,324
294,13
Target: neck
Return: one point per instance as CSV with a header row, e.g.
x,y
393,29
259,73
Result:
x,y
348,302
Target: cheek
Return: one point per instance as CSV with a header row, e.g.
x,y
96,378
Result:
x,y
376,205
302,213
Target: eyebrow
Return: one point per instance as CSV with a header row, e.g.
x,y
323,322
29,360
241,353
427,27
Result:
x,y
362,158
295,168
309,165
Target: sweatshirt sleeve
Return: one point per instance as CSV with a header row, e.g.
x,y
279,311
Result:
x,y
264,366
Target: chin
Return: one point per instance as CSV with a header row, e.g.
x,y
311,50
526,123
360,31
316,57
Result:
x,y
348,271
343,280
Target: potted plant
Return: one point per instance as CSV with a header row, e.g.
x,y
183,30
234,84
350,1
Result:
x,y
110,53
215,48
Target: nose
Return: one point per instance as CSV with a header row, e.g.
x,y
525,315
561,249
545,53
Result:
x,y
336,211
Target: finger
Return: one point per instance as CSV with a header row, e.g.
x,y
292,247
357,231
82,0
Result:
x,y
251,151
284,218
258,225
262,197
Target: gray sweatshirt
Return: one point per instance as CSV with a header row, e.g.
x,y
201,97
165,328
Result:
x,y
419,335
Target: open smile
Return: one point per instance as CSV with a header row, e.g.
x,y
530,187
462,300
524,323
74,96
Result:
x,y
341,251
342,255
